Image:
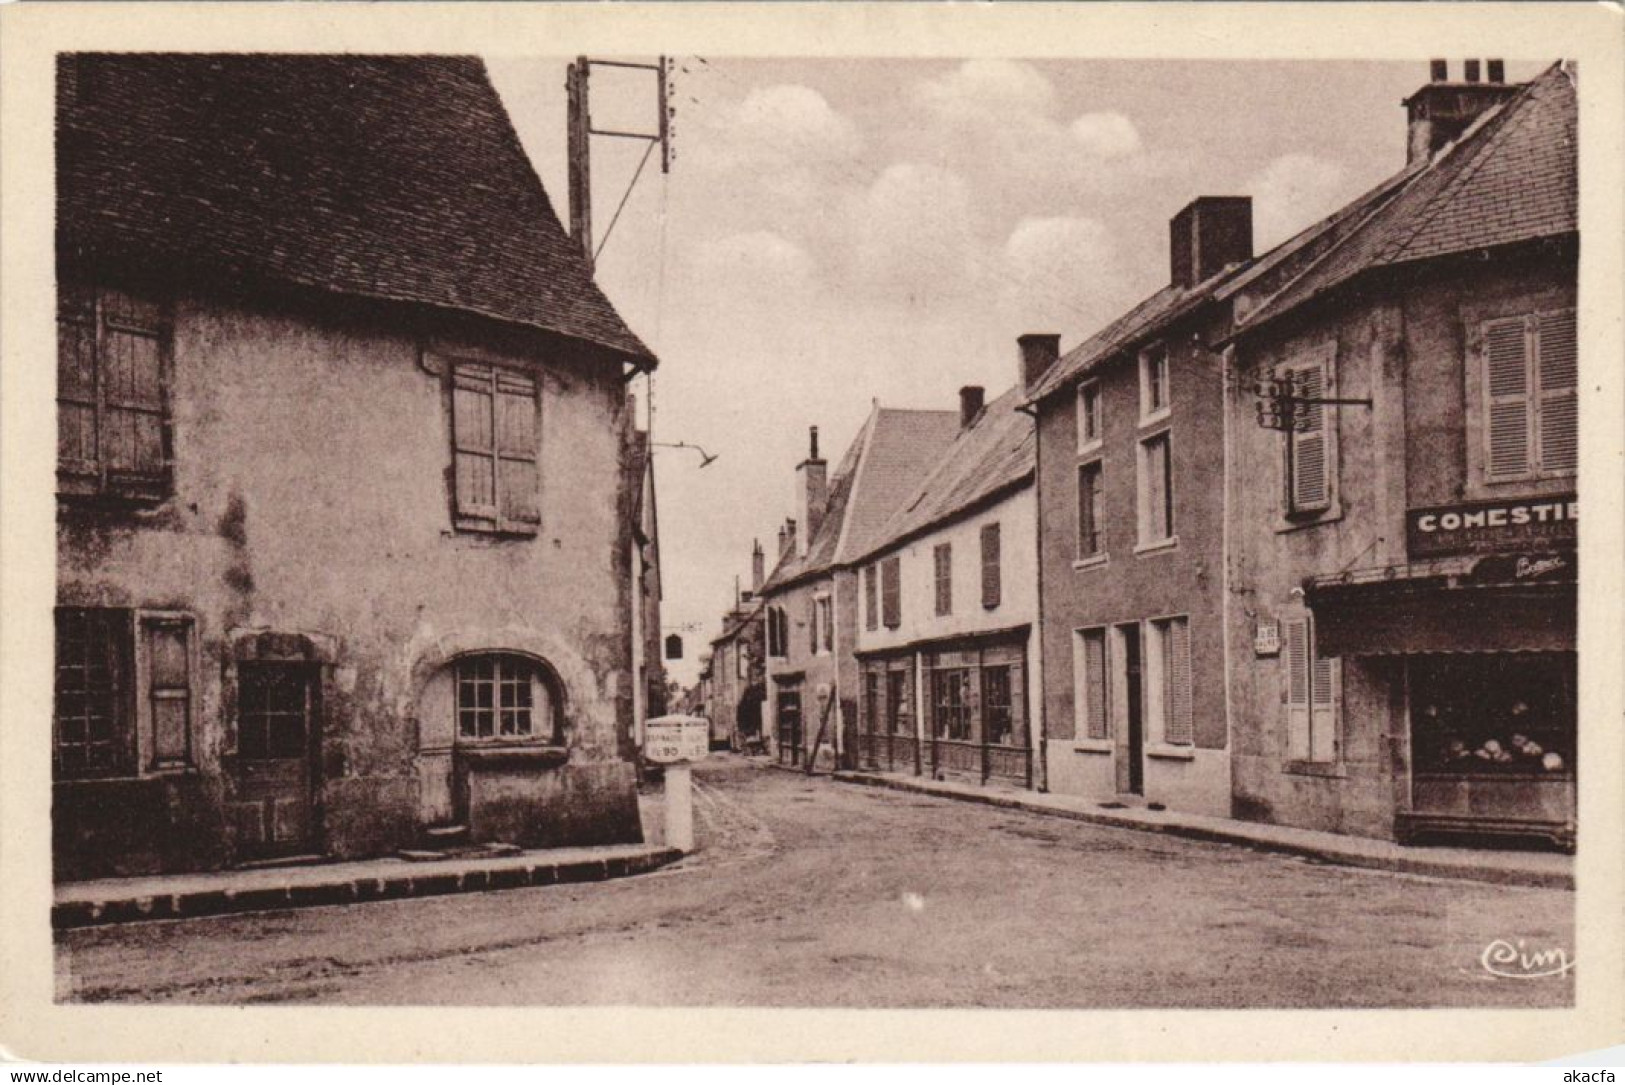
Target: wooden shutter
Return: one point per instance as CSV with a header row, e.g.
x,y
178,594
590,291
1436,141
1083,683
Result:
x,y
77,427
992,587
812,625
871,599
942,558
891,592
1506,354
1310,482
1325,708
169,688
1557,371
1089,525
1094,678
1297,690
516,450
132,379
474,442
1176,702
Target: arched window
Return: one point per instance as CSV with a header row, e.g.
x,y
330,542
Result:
x,y
505,698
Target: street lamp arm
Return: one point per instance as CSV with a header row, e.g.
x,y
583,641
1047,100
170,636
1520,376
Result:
x,y
706,458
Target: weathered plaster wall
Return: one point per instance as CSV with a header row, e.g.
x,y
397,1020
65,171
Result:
x,y
1404,348
311,496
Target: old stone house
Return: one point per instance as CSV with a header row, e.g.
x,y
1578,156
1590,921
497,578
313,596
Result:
x,y
1403,580
344,555
946,624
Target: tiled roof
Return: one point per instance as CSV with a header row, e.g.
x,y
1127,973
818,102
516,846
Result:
x,y
390,177
1511,177
902,448
995,453
885,462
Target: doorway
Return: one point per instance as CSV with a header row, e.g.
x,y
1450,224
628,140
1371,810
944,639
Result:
x,y
1131,708
278,732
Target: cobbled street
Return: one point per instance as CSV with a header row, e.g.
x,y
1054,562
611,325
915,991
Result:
x,y
812,893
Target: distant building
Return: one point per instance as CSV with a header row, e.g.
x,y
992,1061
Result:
x,y
811,597
946,623
347,543
739,666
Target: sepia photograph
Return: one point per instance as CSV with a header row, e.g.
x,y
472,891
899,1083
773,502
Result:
x,y
545,526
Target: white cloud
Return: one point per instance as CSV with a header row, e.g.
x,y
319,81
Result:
x,y
1061,274
1109,136
793,123
1292,192
913,234
759,262
987,89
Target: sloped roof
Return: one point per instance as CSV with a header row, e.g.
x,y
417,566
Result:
x,y
903,446
879,471
995,453
1511,177
397,178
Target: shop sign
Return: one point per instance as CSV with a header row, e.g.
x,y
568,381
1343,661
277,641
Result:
x,y
670,739
1523,568
1267,637
1491,526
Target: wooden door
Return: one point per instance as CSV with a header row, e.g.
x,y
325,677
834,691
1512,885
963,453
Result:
x,y
1131,738
277,739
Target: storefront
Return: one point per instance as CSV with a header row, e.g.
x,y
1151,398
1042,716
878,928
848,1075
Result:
x,y
1488,675
973,717
888,728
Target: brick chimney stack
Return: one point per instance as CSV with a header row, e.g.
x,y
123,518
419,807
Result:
x,y
787,538
758,565
813,482
1039,351
1441,111
1210,233
970,404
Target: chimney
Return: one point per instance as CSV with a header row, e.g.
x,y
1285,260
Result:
x,y
758,565
814,486
1039,351
1441,111
787,538
1209,234
970,404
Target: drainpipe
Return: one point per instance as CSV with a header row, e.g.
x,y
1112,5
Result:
x,y
1039,718
1230,388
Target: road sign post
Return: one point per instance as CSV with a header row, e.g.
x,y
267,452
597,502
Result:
x,y
676,742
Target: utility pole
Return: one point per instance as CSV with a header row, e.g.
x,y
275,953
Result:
x,y
581,132
580,126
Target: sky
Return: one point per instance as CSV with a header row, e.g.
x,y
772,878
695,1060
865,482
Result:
x,y
834,233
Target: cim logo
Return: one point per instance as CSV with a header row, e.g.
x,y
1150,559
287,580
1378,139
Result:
x,y
1505,960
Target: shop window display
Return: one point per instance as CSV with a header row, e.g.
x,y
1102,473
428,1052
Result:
x,y
1494,715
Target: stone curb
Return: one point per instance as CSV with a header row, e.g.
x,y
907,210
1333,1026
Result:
x,y
1329,852
66,915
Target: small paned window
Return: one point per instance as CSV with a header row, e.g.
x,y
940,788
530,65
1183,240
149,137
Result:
x,y
503,697
1089,511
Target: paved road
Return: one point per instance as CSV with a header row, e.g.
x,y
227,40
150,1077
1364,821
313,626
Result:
x,y
813,893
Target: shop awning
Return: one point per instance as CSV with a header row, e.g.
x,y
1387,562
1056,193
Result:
x,y
1492,604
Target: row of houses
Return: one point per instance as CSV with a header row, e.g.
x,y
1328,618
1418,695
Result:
x,y
356,544
1291,540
